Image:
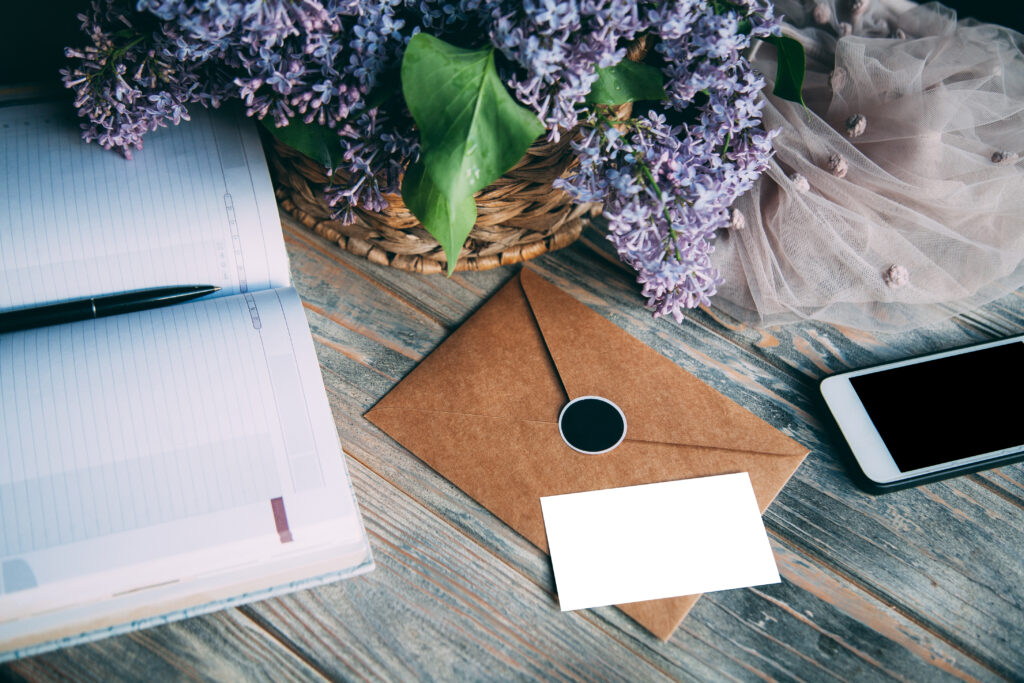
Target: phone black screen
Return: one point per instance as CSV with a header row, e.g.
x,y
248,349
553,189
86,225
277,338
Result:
x,y
950,408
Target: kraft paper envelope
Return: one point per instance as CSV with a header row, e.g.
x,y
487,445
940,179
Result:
x,y
483,408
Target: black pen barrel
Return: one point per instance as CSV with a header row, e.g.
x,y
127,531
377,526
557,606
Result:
x,y
130,302
102,306
54,314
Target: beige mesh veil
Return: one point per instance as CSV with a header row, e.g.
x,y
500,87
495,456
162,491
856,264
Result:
x,y
897,198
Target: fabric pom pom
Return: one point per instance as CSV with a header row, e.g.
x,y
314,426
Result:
x,y
896,276
837,165
737,220
856,125
837,79
1003,157
800,183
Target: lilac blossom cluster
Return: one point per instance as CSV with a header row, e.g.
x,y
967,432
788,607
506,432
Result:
x,y
667,177
666,188
558,47
123,87
314,61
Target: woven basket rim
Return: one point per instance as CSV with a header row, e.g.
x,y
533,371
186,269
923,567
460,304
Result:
x,y
520,215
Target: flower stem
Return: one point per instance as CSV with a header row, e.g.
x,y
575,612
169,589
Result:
x,y
113,56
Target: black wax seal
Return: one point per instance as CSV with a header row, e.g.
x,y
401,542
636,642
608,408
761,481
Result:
x,y
591,424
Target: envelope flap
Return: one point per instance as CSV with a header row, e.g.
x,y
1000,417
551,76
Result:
x,y
662,402
495,364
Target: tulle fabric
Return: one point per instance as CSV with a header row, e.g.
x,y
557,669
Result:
x,y
933,186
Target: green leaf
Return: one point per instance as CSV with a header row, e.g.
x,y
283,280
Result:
x,y
471,129
627,81
789,78
450,223
319,143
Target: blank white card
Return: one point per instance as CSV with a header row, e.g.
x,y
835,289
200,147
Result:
x,y
656,541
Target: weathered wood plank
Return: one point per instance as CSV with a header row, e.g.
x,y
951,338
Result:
x,y
470,518
223,646
919,585
445,300
465,515
814,639
353,301
847,617
1007,482
602,299
441,608
831,474
332,623
912,555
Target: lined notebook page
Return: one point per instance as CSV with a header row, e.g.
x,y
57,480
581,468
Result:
x,y
166,461
141,437
195,206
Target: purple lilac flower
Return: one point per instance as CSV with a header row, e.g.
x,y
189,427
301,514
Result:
x,y
309,59
124,88
667,187
559,46
375,153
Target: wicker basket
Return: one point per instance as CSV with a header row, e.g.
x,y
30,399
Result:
x,y
519,216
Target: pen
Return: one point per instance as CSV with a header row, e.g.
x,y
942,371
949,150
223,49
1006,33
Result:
x,y
100,306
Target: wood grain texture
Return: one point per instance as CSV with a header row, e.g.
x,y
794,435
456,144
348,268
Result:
x,y
920,585
727,367
439,605
223,646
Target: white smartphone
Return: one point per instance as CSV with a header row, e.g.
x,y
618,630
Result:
x,y
932,417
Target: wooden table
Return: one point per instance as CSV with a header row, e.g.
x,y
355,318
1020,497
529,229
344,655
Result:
x,y
925,584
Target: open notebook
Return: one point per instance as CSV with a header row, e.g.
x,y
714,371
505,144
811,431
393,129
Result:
x,y
171,462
